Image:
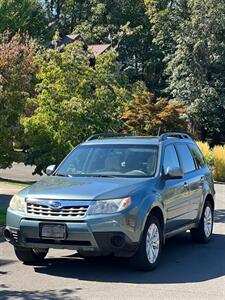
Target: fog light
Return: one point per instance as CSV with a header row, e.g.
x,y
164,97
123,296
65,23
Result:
x,y
117,241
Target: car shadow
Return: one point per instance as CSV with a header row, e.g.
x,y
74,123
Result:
x,y
219,216
7,294
4,200
182,262
13,181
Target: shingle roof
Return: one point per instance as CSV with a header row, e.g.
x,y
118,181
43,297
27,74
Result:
x,y
99,49
68,39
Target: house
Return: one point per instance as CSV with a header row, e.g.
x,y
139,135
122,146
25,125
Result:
x,y
96,49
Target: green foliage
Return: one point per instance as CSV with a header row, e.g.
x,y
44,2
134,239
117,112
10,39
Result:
x,y
145,114
124,24
16,75
24,16
191,35
73,101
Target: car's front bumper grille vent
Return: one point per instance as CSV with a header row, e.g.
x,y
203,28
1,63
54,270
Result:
x,y
15,235
67,211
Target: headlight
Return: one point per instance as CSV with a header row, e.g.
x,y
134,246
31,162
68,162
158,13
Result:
x,y
109,206
17,203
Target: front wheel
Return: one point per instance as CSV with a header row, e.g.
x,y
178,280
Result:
x,y
30,256
148,255
203,233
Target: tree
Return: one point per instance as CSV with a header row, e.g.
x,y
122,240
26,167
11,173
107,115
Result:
x,y
196,68
145,114
16,75
24,16
124,24
73,101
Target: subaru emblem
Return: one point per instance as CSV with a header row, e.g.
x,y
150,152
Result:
x,y
55,204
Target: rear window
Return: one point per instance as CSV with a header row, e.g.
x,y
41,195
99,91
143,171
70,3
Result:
x,y
199,158
187,160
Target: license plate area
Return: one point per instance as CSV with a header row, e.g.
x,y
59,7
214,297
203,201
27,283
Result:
x,y
52,231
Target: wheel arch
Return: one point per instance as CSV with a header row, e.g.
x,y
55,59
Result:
x,y
209,197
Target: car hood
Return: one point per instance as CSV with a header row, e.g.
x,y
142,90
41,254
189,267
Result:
x,y
84,188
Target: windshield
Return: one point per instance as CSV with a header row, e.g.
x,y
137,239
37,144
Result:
x,y
111,160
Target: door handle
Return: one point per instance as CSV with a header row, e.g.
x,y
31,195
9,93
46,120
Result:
x,y
186,185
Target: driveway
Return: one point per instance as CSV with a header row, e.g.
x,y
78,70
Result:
x,y
187,271
19,172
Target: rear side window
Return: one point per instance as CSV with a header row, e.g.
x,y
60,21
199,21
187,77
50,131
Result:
x,y
170,158
199,158
186,158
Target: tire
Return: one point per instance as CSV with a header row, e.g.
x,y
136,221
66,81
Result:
x,y
30,256
144,260
203,233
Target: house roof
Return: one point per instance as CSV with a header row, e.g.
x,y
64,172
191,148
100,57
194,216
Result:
x,y
99,49
68,39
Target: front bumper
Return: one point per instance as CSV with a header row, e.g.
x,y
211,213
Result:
x,y
99,234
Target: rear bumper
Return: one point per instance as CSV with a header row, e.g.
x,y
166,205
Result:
x,y
86,236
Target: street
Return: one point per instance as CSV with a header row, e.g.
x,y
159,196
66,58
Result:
x,y
187,271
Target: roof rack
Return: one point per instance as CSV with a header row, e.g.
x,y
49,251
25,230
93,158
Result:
x,y
107,135
162,137
179,135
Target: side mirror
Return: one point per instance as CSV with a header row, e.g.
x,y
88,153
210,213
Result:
x,y
50,170
174,173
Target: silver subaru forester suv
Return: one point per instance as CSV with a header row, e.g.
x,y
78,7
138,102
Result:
x,y
116,194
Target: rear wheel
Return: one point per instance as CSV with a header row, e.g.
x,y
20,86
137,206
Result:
x,y
29,255
203,233
148,255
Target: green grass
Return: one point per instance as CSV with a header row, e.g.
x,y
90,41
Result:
x,y
2,216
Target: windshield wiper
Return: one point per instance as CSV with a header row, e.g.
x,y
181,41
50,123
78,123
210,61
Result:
x,y
102,176
63,175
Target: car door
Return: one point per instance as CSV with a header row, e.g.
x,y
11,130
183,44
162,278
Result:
x,y
192,180
175,193
202,173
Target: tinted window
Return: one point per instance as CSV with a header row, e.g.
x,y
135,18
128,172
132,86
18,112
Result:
x,y
187,160
170,158
199,158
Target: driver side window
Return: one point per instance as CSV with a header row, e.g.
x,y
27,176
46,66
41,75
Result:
x,y
170,158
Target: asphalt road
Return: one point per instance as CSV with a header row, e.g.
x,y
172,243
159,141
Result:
x,y
187,271
19,172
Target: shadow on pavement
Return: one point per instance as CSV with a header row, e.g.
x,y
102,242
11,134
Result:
x,y
65,294
182,261
4,200
26,182
219,216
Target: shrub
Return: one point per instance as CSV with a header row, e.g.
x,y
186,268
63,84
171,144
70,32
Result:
x,y
219,163
207,152
215,158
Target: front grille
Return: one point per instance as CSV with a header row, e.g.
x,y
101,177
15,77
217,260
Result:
x,y
67,211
